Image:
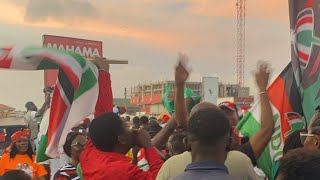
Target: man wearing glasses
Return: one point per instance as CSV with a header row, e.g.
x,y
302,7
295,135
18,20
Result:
x,y
311,140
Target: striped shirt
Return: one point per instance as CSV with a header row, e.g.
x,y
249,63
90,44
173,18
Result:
x,y
67,172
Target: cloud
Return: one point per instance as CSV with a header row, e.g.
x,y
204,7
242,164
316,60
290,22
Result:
x,y
61,10
150,33
268,9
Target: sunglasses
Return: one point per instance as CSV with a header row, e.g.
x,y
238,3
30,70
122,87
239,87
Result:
x,y
82,145
304,136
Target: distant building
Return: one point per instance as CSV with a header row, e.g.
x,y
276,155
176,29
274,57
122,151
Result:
x,y
148,96
7,111
131,108
233,90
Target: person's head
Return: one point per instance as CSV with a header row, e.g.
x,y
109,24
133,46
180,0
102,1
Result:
x,y
311,139
30,106
293,141
144,120
15,175
176,143
300,164
230,111
20,144
153,128
74,144
208,131
127,119
109,133
136,122
152,118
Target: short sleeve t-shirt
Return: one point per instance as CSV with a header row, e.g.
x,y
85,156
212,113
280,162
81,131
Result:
x,y
21,162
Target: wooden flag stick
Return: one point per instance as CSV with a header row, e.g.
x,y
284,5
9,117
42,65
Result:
x,y
113,61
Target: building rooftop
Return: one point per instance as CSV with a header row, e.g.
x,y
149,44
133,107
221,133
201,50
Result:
x,y
5,107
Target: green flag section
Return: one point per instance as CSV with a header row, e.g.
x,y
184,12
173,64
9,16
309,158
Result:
x,y
287,115
169,105
41,151
188,94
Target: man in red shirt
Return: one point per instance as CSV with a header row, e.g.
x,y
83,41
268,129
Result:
x,y
104,156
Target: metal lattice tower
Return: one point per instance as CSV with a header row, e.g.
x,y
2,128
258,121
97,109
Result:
x,y
241,34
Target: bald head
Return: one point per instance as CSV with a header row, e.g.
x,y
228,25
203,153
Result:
x,y
208,126
31,106
203,105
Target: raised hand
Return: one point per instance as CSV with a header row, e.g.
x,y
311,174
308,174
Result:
x,y
181,73
262,76
101,63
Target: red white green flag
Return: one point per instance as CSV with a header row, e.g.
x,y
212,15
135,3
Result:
x,y
287,114
75,94
295,94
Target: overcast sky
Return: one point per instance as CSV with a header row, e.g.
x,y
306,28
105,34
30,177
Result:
x,y
149,33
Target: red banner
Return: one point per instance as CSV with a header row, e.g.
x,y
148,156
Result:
x,y
87,48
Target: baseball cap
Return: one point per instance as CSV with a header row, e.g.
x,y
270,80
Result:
x,y
227,104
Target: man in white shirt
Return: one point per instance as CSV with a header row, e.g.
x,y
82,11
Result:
x,y
34,118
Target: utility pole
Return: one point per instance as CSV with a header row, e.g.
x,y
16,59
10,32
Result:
x,y
125,97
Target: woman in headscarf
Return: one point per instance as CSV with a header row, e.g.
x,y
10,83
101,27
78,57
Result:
x,y
19,155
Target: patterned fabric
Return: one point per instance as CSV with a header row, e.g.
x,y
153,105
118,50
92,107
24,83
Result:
x,y
67,172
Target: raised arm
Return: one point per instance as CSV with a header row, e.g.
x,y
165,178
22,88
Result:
x,y
105,98
181,76
44,107
180,116
261,139
162,137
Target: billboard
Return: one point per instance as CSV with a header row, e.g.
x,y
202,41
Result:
x,y
210,91
87,48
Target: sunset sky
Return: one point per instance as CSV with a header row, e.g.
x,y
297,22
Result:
x,y
149,33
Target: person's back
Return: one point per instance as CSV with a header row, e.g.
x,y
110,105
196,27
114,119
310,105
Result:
x,y
200,171
208,132
238,164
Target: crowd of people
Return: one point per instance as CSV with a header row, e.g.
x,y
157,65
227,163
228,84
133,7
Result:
x,y
197,141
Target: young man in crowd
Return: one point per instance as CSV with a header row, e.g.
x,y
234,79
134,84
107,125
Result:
x,y
208,132
105,158
176,144
34,117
